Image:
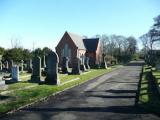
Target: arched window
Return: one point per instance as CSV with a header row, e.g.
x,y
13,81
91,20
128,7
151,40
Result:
x,y
69,53
66,51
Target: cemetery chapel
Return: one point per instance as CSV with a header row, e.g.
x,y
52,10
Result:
x,y
74,46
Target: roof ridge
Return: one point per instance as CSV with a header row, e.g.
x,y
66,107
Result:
x,y
77,39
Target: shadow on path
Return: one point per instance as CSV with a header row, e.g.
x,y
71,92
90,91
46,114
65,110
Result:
x,y
117,96
114,109
116,91
137,63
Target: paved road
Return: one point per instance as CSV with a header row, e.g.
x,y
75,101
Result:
x,y
109,97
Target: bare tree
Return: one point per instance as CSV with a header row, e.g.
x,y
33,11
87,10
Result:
x,y
111,44
119,40
104,41
157,22
16,42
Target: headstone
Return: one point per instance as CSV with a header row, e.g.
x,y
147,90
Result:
x,y
76,66
86,62
0,65
15,73
158,66
44,61
3,66
36,72
10,65
103,64
6,65
3,86
65,68
0,57
29,66
2,83
82,66
21,64
52,69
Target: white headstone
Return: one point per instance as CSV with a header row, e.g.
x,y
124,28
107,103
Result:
x,y
44,61
0,65
15,73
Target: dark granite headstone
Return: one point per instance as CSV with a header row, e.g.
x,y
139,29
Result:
x,y
6,65
10,65
76,66
36,73
65,68
52,69
157,66
29,66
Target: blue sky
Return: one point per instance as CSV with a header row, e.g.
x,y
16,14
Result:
x,y
43,22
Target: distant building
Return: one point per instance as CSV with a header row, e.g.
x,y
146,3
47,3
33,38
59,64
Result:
x,y
93,50
72,46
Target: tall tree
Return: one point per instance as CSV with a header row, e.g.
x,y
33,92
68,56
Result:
x,y
132,42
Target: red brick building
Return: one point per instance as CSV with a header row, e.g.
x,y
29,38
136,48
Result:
x,y
93,50
72,45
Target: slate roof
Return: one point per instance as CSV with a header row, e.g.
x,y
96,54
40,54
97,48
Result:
x,y
91,44
78,40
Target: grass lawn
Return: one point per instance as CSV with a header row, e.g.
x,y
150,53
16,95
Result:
x,y
157,76
149,96
22,97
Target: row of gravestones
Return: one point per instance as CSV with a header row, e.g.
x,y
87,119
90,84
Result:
x,y
30,62
51,67
78,65
7,65
34,66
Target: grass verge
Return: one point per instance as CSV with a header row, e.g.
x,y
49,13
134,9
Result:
x,y
149,97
